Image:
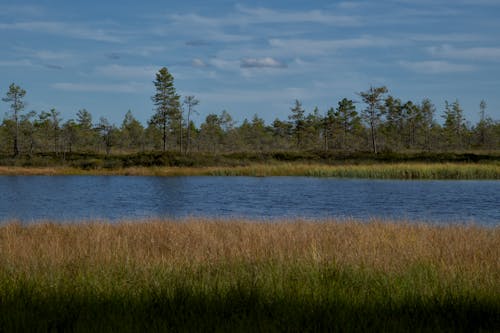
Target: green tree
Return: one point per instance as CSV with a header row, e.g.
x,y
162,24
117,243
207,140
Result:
x,y
15,97
28,130
413,118
282,132
190,102
84,119
258,137
373,112
48,125
453,123
167,104
86,134
298,122
229,137
330,126
313,129
427,110
481,126
108,133
348,118
211,132
394,122
132,132
69,135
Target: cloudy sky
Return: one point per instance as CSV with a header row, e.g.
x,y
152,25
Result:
x,y
249,57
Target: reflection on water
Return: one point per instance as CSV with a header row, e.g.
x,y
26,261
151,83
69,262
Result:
x,y
30,198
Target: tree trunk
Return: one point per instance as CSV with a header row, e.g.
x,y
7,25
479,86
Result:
x,y
164,137
374,141
180,135
16,139
188,141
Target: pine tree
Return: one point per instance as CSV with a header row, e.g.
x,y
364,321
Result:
x,y
190,102
453,123
15,96
166,102
348,118
374,110
297,117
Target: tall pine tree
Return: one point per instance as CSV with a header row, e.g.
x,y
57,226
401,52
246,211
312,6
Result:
x,y
373,113
298,121
167,104
15,96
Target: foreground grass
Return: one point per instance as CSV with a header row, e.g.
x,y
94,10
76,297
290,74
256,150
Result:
x,y
378,171
208,275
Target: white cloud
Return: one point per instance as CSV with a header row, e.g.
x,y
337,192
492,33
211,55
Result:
x,y
46,55
322,47
52,66
16,63
100,87
253,16
212,29
130,72
143,50
198,63
266,62
225,64
20,10
277,95
72,30
266,15
444,37
350,4
474,53
222,28
480,2
436,67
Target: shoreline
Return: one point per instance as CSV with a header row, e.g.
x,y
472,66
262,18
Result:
x,y
413,170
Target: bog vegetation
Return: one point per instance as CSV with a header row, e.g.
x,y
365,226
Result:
x,y
487,171
234,275
379,123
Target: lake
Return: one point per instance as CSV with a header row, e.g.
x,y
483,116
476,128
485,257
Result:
x,y
73,198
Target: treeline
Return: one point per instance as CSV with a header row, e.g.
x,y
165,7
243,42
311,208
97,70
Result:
x,y
380,122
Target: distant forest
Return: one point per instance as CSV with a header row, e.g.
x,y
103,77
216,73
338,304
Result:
x,y
379,122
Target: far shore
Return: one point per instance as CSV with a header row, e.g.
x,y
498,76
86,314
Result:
x,y
401,170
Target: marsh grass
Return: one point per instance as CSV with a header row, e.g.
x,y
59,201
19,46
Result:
x,y
377,171
237,275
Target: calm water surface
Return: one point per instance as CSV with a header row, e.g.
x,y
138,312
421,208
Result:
x,y
68,198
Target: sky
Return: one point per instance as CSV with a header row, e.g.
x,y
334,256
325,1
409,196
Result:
x,y
249,57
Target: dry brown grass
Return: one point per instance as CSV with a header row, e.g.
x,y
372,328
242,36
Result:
x,y
380,170
237,275
28,171
382,246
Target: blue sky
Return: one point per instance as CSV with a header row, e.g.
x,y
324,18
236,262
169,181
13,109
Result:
x,y
249,57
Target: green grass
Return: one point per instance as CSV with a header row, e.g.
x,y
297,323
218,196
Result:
x,y
249,276
247,297
376,171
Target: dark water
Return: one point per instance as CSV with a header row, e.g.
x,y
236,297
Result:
x,y
31,198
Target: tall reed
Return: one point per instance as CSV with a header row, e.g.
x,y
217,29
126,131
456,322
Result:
x,y
230,275
378,171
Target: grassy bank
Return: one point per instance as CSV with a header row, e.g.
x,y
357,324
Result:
x,y
206,275
377,171
305,163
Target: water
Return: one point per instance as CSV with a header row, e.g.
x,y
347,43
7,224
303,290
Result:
x,y
73,198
